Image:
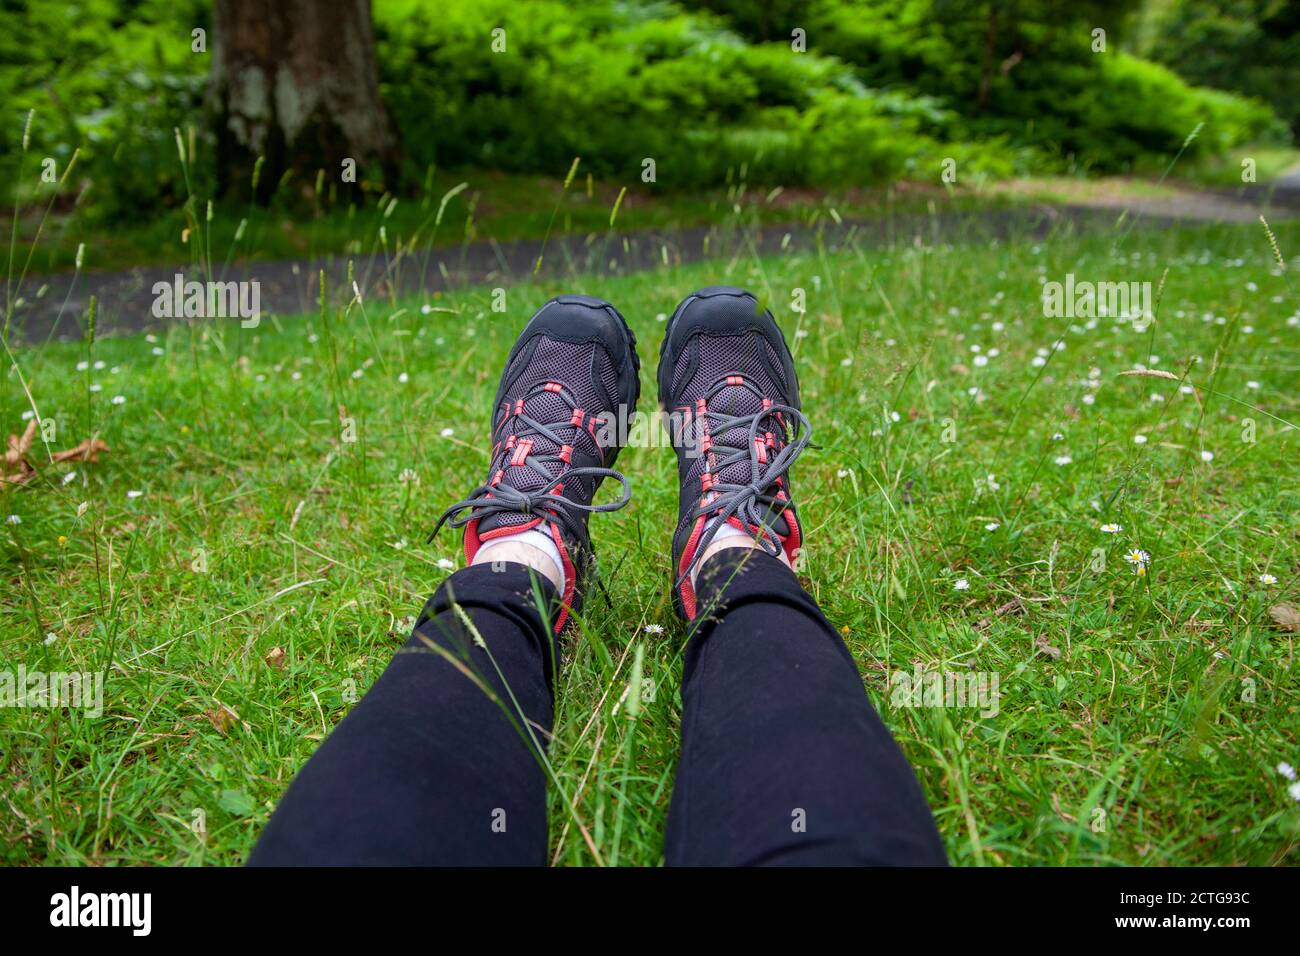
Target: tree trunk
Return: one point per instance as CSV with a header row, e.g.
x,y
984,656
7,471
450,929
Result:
x,y
295,82
986,67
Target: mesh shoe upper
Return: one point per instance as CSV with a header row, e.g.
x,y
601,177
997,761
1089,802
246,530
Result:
x,y
726,377
574,364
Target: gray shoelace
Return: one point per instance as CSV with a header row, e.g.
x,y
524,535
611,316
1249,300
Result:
x,y
750,503
487,500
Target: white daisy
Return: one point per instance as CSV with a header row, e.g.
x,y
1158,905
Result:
x,y
408,474
1286,770
961,584
1267,578
1063,460
447,432
134,494
1207,455
1139,439
1111,528
14,519
446,564
654,628
1139,559
119,399
992,526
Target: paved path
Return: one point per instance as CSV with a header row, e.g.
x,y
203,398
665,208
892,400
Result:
x,y
55,306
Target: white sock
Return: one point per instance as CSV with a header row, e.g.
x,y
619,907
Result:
x,y
725,531
542,541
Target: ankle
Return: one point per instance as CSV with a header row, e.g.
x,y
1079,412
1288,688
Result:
x,y
730,537
533,555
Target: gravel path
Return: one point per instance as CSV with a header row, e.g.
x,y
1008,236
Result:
x,y
55,306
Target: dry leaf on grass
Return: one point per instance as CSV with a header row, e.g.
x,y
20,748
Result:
x,y
18,468
88,450
1152,373
1040,642
1286,617
1014,605
276,658
222,718
19,447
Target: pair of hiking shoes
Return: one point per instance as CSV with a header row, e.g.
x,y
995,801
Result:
x,y
571,384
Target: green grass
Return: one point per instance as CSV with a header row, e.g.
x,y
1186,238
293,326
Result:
x,y
1171,701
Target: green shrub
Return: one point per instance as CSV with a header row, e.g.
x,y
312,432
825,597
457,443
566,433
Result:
x,y
113,79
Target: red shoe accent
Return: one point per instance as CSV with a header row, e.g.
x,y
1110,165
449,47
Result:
x,y
794,540
522,451
566,452
735,380
790,543
570,579
578,415
688,555
473,540
553,386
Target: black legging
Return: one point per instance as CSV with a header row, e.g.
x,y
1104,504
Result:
x,y
783,761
